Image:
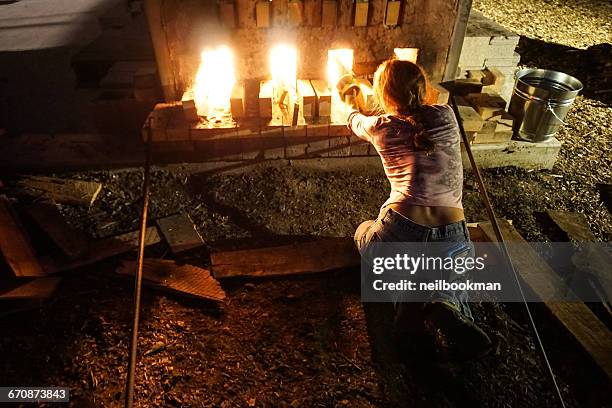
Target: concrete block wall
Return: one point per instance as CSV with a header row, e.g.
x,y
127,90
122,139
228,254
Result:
x,y
489,45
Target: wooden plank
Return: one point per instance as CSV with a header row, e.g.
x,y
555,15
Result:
x,y
575,225
70,240
184,279
105,248
15,243
316,256
180,233
591,259
41,288
78,192
576,317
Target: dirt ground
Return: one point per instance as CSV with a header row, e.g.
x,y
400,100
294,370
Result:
x,y
308,341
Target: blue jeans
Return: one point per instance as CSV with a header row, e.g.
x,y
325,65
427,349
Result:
x,y
391,226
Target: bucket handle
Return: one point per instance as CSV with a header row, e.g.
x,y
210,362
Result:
x,y
551,110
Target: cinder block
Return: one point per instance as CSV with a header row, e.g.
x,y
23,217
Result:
x,y
472,122
273,147
493,76
329,13
437,94
392,12
477,75
359,147
251,148
262,13
487,133
318,147
158,121
296,148
503,131
361,13
486,104
464,87
339,146
339,130
503,62
177,128
189,110
317,130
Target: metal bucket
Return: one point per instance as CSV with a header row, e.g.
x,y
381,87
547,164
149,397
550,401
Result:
x,y
540,101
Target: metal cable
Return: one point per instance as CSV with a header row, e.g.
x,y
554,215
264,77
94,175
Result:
x,y
500,239
129,386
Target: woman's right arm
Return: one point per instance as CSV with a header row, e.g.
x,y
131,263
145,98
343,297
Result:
x,y
363,126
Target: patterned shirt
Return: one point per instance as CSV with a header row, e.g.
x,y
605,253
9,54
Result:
x,y
417,177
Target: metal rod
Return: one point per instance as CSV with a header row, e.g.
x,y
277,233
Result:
x,y
129,386
502,244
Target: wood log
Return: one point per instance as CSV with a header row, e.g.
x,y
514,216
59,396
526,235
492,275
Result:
x,y
68,191
15,243
180,233
184,279
46,215
308,257
594,337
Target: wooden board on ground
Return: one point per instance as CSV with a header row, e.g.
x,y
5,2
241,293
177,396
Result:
x,y
315,256
69,239
576,317
102,249
185,279
179,232
591,259
67,191
15,243
40,288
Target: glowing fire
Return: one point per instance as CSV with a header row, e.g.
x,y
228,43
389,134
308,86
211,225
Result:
x,y
339,63
214,81
283,66
406,54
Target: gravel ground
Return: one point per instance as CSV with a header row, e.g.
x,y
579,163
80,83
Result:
x,y
576,23
271,344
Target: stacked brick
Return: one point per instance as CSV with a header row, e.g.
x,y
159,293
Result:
x,y
488,45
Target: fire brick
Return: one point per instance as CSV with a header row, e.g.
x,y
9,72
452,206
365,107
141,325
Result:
x,y
323,98
361,13
308,99
329,14
392,13
262,13
227,14
296,12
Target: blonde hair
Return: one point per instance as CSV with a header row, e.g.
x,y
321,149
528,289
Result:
x,y
400,88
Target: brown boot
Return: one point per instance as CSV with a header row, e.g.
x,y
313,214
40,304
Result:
x,y
457,338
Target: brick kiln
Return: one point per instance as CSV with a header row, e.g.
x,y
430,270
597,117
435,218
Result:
x,y
248,79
